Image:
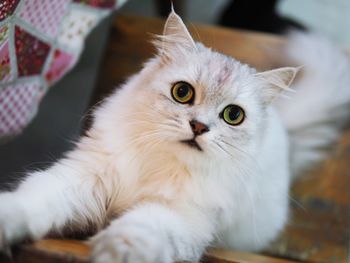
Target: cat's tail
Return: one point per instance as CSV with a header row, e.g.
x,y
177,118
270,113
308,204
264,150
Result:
x,y
320,108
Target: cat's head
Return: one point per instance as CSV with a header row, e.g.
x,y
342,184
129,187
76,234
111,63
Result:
x,y
193,102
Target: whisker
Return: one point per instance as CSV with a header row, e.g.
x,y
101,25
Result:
x,y
297,203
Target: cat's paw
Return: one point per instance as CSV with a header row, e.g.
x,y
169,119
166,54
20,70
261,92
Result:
x,y
13,226
4,246
129,244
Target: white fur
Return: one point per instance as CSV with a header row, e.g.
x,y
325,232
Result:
x,y
159,199
317,112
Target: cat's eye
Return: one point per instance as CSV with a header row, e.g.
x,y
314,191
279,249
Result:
x,y
183,92
233,115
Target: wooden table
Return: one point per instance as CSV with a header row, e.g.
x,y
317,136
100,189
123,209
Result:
x,y
319,227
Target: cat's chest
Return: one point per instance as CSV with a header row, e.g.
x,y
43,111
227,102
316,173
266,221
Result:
x,y
217,188
147,179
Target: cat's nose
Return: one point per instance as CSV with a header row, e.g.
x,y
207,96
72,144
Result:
x,y
198,128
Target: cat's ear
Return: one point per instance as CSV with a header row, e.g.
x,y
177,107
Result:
x,y
175,38
177,32
276,81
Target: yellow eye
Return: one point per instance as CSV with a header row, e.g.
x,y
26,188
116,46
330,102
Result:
x,y
233,115
182,92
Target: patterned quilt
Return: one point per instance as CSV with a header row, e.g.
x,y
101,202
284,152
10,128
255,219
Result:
x,y
40,41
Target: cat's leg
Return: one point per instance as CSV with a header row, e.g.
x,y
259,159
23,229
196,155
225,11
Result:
x,y
153,233
65,194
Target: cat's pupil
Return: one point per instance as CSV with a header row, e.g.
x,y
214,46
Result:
x,y
182,91
234,113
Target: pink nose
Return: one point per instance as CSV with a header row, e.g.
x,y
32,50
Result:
x,y
198,128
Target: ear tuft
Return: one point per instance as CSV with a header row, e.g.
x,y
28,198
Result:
x,y
276,81
175,36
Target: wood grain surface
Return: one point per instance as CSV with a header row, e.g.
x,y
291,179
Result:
x,y
73,251
319,228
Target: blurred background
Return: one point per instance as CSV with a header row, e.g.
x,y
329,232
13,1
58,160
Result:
x,y
62,111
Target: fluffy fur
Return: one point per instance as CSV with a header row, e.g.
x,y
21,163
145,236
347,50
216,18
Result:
x,y
319,109
160,200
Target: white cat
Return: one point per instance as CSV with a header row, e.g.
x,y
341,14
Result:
x,y
190,152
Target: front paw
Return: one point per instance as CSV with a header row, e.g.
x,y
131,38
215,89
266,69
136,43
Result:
x,y
129,244
13,226
4,246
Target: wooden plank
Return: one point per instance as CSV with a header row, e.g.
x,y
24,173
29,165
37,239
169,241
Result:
x,y
50,251
215,255
73,251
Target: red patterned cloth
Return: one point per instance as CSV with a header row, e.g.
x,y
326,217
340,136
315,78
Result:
x,y
40,41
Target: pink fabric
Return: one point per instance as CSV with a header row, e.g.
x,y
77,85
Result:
x,y
5,67
59,65
16,105
44,14
40,41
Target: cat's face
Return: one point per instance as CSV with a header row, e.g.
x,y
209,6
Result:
x,y
202,104
193,102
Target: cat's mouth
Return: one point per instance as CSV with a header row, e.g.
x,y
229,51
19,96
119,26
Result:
x,y
192,143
